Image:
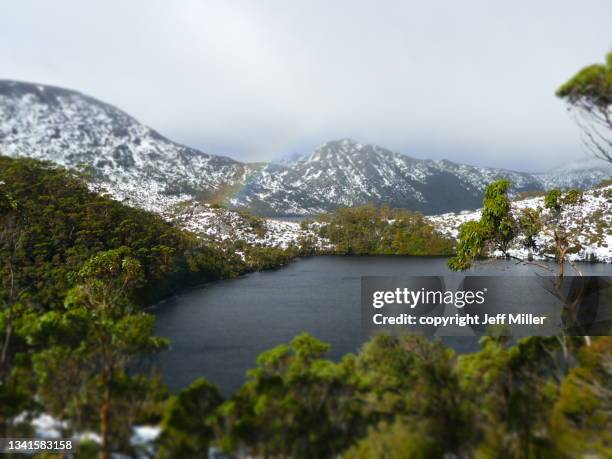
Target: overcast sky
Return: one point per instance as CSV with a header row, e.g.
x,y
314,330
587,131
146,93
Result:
x,y
469,81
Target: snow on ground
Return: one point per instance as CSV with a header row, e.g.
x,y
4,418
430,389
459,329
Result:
x,y
47,427
221,224
595,211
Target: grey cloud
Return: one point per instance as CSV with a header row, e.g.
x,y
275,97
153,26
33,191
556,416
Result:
x,y
468,81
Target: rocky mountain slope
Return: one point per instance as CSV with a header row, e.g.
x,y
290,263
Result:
x,y
220,224
132,161
135,163
347,173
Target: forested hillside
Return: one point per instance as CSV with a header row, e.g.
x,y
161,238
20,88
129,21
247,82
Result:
x,y
55,223
76,269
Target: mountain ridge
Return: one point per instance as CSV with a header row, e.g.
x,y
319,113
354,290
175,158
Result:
x,y
135,163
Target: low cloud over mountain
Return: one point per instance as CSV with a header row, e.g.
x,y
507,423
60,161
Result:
x,y
136,163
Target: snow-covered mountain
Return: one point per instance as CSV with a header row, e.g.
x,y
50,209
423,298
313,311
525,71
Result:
x,y
347,173
135,163
582,173
131,160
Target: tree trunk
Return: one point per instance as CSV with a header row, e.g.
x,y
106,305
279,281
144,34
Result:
x,y
104,421
77,451
9,323
5,345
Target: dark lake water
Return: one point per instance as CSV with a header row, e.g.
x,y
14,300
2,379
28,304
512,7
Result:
x,y
218,330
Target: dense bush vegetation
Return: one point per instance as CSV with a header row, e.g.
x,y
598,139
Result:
x,y
368,230
408,398
58,224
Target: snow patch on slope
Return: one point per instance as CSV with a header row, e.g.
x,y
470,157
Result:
x,y
596,210
221,224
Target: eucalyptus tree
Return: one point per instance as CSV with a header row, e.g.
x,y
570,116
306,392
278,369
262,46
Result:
x,y
294,404
589,96
190,421
117,332
542,231
11,287
13,291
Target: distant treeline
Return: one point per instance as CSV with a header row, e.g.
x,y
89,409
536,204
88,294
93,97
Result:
x,y
371,230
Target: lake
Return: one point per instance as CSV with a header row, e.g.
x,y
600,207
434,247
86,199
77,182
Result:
x,y
217,330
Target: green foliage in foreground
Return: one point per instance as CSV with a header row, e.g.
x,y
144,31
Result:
x,y
589,95
114,334
189,421
368,230
73,362
591,86
407,397
294,403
